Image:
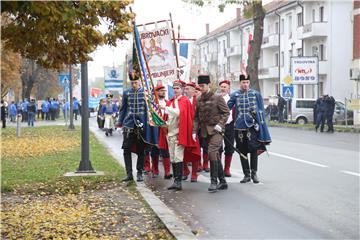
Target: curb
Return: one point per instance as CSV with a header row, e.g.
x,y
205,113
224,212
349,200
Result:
x,y
172,222
349,130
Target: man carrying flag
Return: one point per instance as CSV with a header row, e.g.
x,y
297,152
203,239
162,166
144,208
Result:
x,y
136,130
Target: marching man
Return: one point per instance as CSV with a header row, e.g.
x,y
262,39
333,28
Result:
x,y
109,111
211,115
179,126
251,132
229,130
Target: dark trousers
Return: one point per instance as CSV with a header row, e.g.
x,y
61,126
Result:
x,y
246,143
281,115
320,120
132,138
229,141
76,113
3,122
329,122
47,116
155,152
52,113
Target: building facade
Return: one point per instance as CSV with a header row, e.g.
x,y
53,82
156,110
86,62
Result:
x,y
291,28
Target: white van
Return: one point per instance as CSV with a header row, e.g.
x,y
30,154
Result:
x,y
301,111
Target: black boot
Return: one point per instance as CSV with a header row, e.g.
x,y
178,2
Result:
x,y
178,178
222,182
175,172
213,176
246,170
254,177
246,179
128,167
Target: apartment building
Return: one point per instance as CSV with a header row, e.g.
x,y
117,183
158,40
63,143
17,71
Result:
x,y
291,28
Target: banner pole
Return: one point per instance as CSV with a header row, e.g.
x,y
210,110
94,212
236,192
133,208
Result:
x,y
176,55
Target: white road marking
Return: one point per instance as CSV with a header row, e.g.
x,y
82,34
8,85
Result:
x,y
297,159
351,173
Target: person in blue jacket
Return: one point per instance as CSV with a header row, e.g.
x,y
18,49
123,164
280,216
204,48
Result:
x,y
109,111
66,109
251,132
24,110
75,107
45,107
12,111
136,130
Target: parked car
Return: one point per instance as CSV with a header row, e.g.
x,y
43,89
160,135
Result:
x,y
301,111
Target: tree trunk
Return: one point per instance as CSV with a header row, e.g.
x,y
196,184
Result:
x,y
28,79
252,68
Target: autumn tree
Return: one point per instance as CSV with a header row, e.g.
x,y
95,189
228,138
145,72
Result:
x,y
10,71
54,33
252,9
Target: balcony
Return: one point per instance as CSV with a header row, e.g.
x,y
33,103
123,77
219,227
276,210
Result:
x,y
233,51
312,30
269,72
270,41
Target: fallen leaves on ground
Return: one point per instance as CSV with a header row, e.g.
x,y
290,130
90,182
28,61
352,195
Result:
x,y
32,144
115,212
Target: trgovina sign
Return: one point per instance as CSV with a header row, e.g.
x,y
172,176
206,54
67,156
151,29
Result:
x,y
304,70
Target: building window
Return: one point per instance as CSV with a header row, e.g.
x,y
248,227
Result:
x,y
276,59
219,47
290,26
321,52
299,52
282,59
313,15
224,48
228,66
224,70
299,19
282,26
300,91
290,55
321,88
276,27
315,51
321,12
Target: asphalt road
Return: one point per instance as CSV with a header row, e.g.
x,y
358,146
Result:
x,y
309,190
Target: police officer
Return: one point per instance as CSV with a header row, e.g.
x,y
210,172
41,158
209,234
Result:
x,y
320,108
329,113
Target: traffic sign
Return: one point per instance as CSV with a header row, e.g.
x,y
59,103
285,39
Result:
x,y
288,80
64,79
288,91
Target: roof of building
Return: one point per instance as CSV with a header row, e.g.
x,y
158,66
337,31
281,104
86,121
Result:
x,y
236,22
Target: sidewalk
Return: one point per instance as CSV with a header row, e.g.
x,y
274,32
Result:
x,y
311,127
172,222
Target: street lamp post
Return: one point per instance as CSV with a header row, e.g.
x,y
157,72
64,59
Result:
x,y
85,163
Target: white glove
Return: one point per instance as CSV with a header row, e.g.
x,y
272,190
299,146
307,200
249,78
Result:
x,y
194,137
217,128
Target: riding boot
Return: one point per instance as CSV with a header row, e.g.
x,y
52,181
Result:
x,y
213,175
178,178
222,182
175,172
246,170
128,167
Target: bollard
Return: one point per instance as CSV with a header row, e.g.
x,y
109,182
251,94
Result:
x,y
18,125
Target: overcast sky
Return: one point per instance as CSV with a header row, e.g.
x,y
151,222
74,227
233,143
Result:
x,y
192,20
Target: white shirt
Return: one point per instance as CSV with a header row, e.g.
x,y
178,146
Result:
x,y
173,118
230,118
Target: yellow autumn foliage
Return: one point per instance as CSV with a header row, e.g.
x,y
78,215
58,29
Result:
x,y
36,145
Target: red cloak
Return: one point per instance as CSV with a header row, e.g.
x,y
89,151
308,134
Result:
x,y
192,148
